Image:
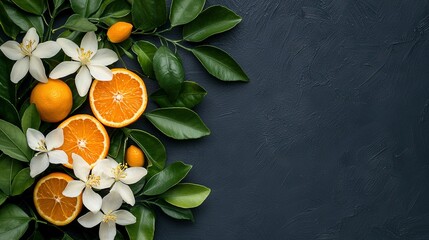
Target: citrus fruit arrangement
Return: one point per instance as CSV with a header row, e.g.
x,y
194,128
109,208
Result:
x,y
74,161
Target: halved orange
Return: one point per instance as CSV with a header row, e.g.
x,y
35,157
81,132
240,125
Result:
x,y
84,135
50,202
119,102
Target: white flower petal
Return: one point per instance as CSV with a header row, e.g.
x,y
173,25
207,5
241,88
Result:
x,y
107,231
104,182
70,48
111,202
64,69
12,50
133,175
34,138
31,35
55,139
104,167
104,57
125,192
38,164
47,49
124,217
80,167
83,81
90,220
91,200
100,73
89,42
57,157
20,69
37,70
73,188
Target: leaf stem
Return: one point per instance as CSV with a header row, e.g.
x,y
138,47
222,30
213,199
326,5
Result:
x,y
175,42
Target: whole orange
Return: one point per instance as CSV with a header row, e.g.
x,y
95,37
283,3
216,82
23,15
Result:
x,y
53,100
134,156
119,32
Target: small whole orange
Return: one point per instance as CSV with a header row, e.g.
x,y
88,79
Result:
x,y
134,156
53,100
119,32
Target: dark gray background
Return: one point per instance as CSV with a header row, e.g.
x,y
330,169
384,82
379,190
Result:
x,y
330,138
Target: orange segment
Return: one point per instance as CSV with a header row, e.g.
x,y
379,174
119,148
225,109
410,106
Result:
x,y
86,136
119,102
51,204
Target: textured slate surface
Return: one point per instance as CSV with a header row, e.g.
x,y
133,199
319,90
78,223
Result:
x,y
330,138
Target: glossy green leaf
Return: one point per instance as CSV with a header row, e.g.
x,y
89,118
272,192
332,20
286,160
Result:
x,y
79,23
7,88
3,197
145,51
8,112
149,14
21,181
30,118
58,4
9,28
219,64
144,228
116,142
168,71
173,211
153,149
138,186
184,11
190,95
117,9
13,142
211,21
85,7
24,20
178,123
78,101
103,7
13,222
10,167
186,195
32,6
167,178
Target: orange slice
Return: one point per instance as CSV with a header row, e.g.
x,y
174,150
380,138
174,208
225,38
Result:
x,y
119,102
51,204
86,136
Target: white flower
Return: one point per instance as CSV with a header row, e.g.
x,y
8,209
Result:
x,y
121,175
45,149
87,182
87,60
28,54
109,217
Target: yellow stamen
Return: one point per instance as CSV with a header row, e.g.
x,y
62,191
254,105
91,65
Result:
x,y
27,48
93,181
84,56
119,171
109,217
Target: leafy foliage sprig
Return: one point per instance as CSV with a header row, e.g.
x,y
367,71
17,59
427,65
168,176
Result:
x,y
158,56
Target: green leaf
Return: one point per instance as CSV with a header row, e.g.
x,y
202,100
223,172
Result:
x,y
153,149
149,14
173,211
13,142
3,197
145,51
178,123
22,181
7,88
167,178
117,9
116,142
219,64
186,195
32,6
184,11
79,23
190,95
9,167
78,101
144,228
211,21
9,28
85,7
138,186
102,7
30,118
8,112
13,222
168,71
24,20
58,3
